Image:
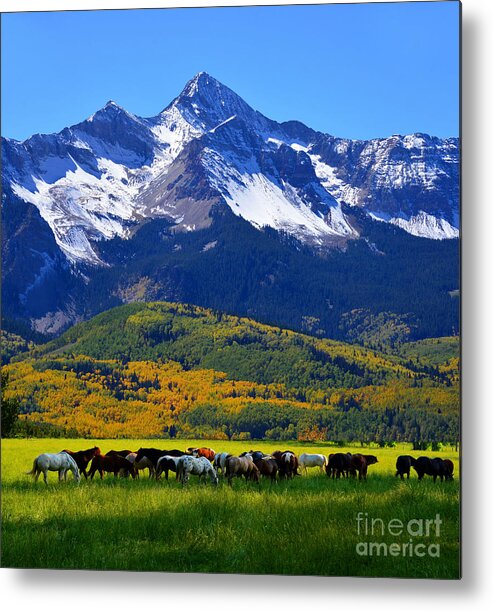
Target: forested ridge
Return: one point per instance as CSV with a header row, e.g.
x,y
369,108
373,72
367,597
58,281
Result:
x,y
167,369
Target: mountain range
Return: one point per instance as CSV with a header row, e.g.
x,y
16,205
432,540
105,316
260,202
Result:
x,y
122,208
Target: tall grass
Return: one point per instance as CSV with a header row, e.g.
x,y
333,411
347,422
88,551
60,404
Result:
x,y
304,526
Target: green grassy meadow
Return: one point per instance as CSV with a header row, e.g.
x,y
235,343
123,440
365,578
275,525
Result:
x,y
306,526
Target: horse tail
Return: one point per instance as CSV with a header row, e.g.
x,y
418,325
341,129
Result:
x,y
33,470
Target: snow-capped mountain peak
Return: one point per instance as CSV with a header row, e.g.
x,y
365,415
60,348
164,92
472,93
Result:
x,y
109,112
205,103
102,177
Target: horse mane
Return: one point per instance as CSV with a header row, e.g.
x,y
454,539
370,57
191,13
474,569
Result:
x,y
72,461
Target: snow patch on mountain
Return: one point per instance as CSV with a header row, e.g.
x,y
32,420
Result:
x,y
264,204
422,225
80,206
213,130
339,189
257,199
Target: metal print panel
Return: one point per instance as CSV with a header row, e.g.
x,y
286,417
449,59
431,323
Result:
x,y
230,294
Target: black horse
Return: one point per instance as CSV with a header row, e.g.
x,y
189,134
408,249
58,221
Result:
x,y
403,465
435,467
339,464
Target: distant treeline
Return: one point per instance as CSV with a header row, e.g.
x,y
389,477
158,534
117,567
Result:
x,y
264,421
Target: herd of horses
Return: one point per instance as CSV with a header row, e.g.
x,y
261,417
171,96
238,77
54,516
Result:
x,y
209,465
435,467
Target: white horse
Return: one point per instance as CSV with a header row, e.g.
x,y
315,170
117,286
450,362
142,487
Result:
x,y
220,462
61,462
202,467
312,460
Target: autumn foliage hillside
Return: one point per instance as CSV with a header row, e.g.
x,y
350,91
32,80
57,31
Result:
x,y
166,370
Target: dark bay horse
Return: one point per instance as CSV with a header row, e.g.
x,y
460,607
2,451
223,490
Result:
x,y
111,464
83,458
267,467
122,453
360,464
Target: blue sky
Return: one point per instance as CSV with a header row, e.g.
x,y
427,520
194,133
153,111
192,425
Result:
x,y
355,70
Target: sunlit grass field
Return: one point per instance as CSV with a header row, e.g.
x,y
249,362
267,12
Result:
x,y
307,526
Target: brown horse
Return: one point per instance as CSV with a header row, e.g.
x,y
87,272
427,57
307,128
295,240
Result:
x,y
360,464
287,462
111,464
267,467
206,452
236,467
83,457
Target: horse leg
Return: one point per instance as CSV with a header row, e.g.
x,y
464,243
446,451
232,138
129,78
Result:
x,y
45,477
36,475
